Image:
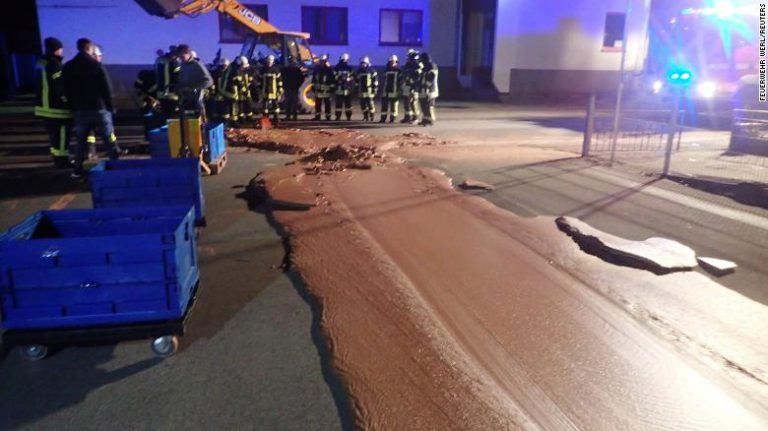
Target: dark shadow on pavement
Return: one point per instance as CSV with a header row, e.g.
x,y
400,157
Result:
x,y
753,194
256,202
33,390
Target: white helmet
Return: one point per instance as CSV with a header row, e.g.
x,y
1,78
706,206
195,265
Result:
x,y
344,57
324,57
193,54
242,61
393,58
270,59
224,61
365,60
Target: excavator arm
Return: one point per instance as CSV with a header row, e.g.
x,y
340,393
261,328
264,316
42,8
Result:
x,y
193,8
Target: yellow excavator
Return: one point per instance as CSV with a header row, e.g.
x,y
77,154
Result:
x,y
264,35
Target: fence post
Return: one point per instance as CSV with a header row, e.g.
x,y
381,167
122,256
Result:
x,y
671,132
680,130
589,127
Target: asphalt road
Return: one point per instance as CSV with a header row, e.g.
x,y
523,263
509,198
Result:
x,y
251,358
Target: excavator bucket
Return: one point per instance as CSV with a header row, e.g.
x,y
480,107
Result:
x,y
161,8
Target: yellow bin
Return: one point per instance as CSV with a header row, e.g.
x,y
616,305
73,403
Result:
x,y
193,134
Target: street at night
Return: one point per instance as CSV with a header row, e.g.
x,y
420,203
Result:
x,y
557,222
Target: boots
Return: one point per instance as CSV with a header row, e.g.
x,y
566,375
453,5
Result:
x,y
383,118
391,118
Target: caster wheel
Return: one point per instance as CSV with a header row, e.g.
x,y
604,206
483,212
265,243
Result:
x,y
35,352
165,346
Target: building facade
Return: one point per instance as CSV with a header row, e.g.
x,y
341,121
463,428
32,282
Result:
x,y
567,46
375,28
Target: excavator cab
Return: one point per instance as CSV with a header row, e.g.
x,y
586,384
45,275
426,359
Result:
x,y
281,45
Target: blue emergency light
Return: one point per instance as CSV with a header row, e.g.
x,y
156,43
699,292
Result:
x,y
680,77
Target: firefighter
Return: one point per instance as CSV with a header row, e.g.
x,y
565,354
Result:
x,y
293,78
213,99
167,68
230,89
345,80
52,105
428,90
390,95
410,89
323,81
144,91
248,91
367,86
270,89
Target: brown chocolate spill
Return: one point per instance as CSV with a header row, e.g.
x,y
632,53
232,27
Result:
x,y
442,311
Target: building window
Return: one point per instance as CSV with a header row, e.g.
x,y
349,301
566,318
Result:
x,y
325,25
400,27
231,31
613,37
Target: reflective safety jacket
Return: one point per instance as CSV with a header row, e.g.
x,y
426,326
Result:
x,y
51,102
270,83
231,82
393,80
411,77
166,75
345,79
145,90
323,81
367,82
428,86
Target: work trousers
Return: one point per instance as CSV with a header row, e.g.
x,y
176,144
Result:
x,y
321,103
411,102
389,107
345,102
59,131
428,109
94,121
271,108
292,104
369,108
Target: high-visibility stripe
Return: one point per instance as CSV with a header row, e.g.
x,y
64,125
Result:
x,y
52,112
112,138
63,139
44,75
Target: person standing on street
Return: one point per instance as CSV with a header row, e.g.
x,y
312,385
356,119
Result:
x,y
323,81
167,70
367,87
87,88
231,88
194,79
345,82
390,96
428,90
52,105
411,79
270,89
293,79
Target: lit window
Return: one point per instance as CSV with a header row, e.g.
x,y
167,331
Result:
x,y
613,37
325,25
231,31
400,27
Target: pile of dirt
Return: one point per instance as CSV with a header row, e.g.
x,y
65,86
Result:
x,y
341,157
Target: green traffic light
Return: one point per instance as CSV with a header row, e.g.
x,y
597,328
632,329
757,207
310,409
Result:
x,y
680,77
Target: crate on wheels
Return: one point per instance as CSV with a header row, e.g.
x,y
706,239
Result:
x,y
100,275
206,142
147,183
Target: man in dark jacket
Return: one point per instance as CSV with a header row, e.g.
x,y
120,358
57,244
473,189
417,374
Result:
x,y
87,88
293,79
194,79
51,104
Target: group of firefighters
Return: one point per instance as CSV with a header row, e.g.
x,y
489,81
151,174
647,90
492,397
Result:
x,y
79,93
236,88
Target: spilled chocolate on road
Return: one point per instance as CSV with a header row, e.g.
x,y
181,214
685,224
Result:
x,y
442,311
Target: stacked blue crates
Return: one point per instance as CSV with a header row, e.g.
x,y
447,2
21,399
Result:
x,y
145,183
216,144
83,268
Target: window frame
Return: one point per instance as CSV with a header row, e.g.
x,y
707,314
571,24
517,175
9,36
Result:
x,y
605,48
223,17
400,41
327,42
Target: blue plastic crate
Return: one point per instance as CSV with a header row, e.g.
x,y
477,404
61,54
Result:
x,y
158,143
217,145
84,268
146,183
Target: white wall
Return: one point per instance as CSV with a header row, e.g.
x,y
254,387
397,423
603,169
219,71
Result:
x,y
130,36
564,35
